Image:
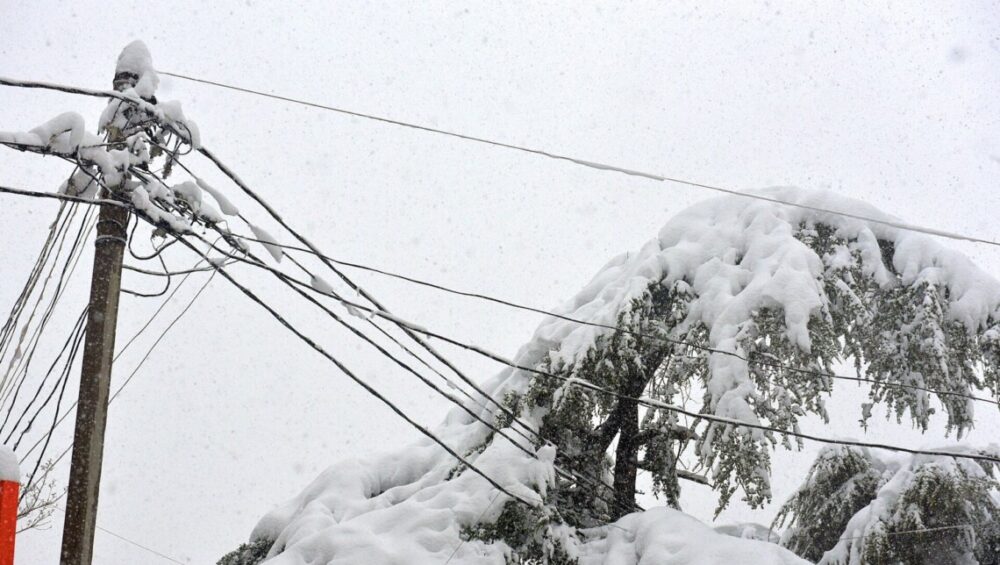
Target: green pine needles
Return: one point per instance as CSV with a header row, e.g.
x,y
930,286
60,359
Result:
x,y
855,508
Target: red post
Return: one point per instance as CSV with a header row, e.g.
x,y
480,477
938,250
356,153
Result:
x,y
8,520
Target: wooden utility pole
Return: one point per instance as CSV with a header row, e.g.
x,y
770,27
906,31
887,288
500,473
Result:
x,y
95,377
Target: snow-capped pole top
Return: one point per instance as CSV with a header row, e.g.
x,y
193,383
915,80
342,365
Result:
x,y
135,70
9,470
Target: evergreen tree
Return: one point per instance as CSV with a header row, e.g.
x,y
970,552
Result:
x,y
895,326
738,309
855,509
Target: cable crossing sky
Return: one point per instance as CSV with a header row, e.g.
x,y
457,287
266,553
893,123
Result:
x,y
158,213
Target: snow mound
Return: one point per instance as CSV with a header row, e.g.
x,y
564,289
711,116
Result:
x,y
661,536
737,255
399,509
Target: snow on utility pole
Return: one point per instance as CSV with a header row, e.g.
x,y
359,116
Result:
x,y
95,377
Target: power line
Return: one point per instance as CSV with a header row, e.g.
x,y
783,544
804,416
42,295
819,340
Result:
x,y
162,335
96,93
476,521
312,248
10,325
139,545
446,395
354,286
287,280
601,166
591,164
228,235
644,401
917,531
577,161
55,414
355,114
362,292
577,382
662,178
69,267
70,345
654,404
514,418
133,542
63,197
218,269
135,370
304,338
410,329
344,369
706,348
146,356
13,374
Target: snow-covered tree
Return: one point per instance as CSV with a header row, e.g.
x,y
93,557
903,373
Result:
x,y
856,508
789,293
738,309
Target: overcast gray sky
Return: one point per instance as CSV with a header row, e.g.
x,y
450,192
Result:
x,y
894,103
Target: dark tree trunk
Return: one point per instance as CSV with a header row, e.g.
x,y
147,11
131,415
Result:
x,y
626,459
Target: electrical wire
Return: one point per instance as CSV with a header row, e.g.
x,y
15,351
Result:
x,y
647,402
593,164
361,291
577,161
751,360
601,166
515,417
64,197
469,381
69,267
162,335
166,273
145,357
9,378
77,340
382,313
28,287
69,345
250,294
653,404
132,542
917,531
368,388
643,401
423,379
656,177
125,348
